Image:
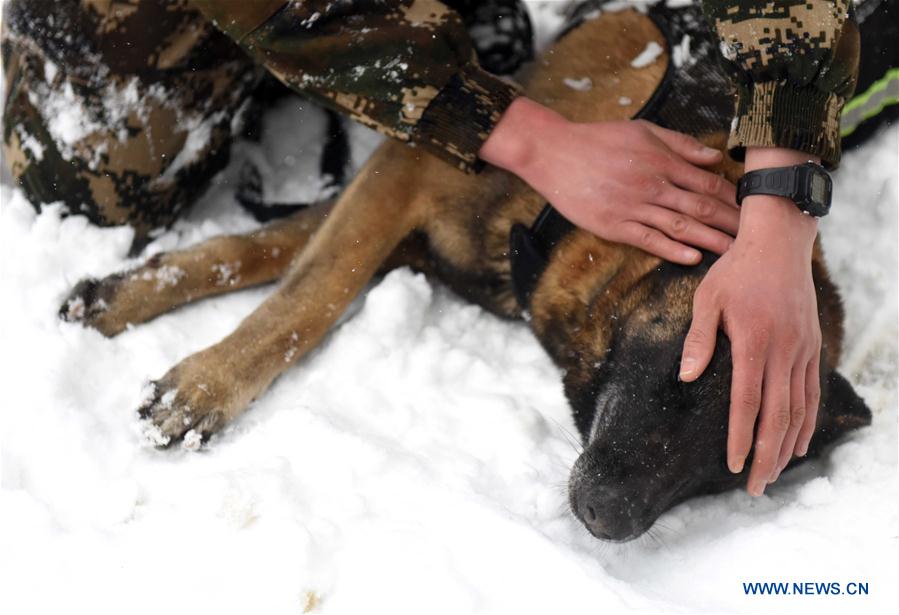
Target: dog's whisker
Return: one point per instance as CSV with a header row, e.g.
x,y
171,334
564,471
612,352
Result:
x,y
569,437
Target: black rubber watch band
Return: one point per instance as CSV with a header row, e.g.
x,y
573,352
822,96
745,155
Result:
x,y
808,185
776,182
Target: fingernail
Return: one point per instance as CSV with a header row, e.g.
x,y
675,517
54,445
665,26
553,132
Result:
x,y
687,367
757,488
736,466
803,449
692,255
710,151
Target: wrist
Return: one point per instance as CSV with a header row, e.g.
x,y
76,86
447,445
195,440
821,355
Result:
x,y
513,144
773,219
777,216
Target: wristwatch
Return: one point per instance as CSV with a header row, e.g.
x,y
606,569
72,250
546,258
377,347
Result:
x,y
808,185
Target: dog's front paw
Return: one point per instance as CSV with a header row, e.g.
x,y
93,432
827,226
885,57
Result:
x,y
89,303
181,410
130,297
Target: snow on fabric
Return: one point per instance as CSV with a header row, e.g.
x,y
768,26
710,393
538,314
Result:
x,y
416,462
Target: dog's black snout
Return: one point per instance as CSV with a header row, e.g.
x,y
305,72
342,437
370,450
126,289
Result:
x,y
605,511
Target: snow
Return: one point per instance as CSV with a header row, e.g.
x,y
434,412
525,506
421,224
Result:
x,y
167,275
647,56
67,122
31,144
680,54
416,462
199,133
290,168
583,84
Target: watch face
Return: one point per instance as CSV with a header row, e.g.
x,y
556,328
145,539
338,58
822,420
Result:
x,y
819,189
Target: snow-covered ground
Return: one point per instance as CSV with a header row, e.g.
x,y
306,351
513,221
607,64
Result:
x,y
415,463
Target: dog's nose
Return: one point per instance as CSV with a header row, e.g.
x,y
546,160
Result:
x,y
605,512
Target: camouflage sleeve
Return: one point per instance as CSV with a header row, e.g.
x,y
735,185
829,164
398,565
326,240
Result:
x,y
794,64
404,67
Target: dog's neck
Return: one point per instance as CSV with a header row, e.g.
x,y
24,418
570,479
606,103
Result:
x,y
586,287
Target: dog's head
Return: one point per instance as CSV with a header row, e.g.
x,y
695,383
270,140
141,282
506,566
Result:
x,y
652,441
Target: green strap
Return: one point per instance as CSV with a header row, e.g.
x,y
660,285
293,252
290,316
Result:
x,y
881,94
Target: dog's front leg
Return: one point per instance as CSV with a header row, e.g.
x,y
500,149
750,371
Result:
x,y
200,394
171,279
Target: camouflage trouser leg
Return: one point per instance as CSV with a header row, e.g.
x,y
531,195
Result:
x,y
121,109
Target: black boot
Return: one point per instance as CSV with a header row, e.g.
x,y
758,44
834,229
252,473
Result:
x,y
500,31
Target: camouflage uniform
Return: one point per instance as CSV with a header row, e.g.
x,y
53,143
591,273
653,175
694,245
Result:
x,y
794,64
123,109
116,125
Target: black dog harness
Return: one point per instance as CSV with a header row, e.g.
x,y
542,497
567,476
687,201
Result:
x,y
688,107
529,249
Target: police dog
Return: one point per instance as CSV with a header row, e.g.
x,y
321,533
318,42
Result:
x,y
611,316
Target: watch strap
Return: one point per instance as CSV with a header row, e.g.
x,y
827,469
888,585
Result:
x,y
780,181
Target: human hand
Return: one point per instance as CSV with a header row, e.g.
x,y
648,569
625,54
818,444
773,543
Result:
x,y
762,294
627,181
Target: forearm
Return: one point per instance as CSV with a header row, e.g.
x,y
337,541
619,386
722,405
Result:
x,y
406,70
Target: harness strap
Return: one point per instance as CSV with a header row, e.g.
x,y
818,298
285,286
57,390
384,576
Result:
x,y
530,249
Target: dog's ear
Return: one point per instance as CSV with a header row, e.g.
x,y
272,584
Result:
x,y
842,410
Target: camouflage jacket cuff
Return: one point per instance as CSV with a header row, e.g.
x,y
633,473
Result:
x,y
462,115
779,114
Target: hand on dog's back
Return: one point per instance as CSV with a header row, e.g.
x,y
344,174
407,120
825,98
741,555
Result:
x,y
629,181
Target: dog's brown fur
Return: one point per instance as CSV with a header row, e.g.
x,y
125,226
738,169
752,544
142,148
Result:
x,y
326,255
407,208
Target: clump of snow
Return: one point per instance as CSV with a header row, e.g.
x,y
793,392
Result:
x,y
168,398
66,120
584,84
31,144
147,393
167,275
226,274
199,135
621,5
153,435
192,440
293,348
727,50
51,70
681,52
647,56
